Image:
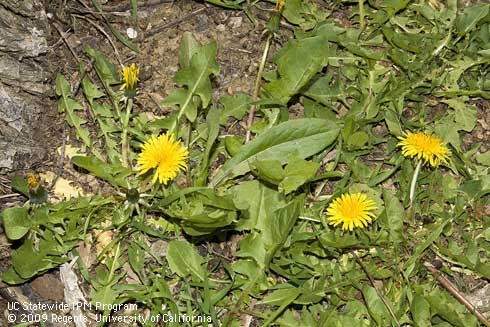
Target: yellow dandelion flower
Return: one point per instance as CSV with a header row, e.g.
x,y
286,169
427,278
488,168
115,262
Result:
x,y
426,147
32,182
163,154
130,78
351,210
280,5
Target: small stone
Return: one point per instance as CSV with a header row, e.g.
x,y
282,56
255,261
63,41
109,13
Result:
x,y
221,28
235,22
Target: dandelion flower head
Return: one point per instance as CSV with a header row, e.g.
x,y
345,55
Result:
x,y
426,147
351,210
130,77
163,154
32,181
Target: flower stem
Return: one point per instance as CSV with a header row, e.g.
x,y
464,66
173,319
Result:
x,y
251,112
414,181
124,137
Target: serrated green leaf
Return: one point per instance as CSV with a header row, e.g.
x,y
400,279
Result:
x,y
195,79
297,62
67,105
184,260
91,91
304,137
465,115
106,70
236,106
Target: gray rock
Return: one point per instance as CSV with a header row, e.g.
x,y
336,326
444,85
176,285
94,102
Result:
x,y
24,89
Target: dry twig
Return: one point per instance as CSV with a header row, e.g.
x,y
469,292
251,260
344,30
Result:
x,y
456,293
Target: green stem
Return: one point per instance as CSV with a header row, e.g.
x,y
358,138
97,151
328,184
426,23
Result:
x,y
414,181
361,14
251,113
124,137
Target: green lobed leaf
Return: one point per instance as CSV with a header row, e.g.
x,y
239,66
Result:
x,y
106,70
465,115
16,222
67,105
236,106
195,77
184,260
304,137
297,62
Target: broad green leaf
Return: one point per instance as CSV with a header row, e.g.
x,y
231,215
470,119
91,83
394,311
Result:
x,y
16,222
282,295
297,62
262,244
113,173
357,140
66,104
19,184
483,158
136,257
32,258
184,260
304,137
325,90
199,210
